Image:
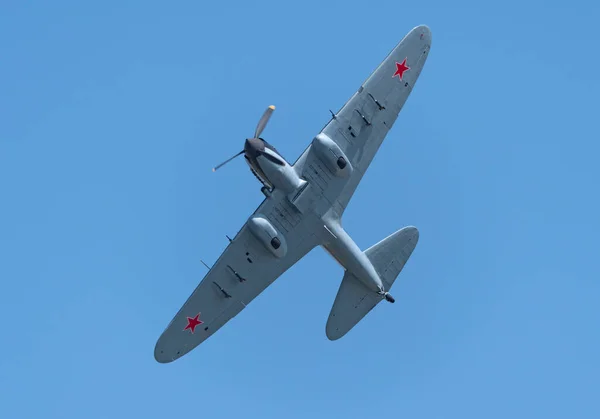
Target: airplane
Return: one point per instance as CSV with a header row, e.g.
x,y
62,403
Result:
x,y
303,208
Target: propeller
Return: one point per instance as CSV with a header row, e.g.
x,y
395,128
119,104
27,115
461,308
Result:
x,y
227,161
262,123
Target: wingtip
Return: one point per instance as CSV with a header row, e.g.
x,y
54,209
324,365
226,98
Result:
x,y
272,107
413,230
162,360
160,357
422,27
424,32
332,336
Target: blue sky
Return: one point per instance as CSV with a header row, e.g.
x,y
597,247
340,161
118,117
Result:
x,y
112,116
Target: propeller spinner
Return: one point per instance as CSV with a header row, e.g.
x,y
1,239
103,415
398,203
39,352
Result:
x,y
251,143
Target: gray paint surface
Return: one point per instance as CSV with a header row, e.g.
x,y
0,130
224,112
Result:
x,y
303,209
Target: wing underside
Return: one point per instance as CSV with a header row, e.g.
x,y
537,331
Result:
x,y
244,269
361,125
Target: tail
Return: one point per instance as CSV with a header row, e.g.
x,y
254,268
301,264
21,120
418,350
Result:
x,y
354,300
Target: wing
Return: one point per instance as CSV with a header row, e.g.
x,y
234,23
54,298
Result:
x,y
361,125
244,269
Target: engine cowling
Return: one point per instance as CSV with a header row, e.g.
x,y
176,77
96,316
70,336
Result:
x,y
279,173
268,235
332,155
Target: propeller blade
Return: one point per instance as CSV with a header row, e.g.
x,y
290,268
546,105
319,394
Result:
x,y
263,121
227,161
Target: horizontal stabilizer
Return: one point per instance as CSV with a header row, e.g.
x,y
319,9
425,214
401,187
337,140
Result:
x,y
390,255
354,300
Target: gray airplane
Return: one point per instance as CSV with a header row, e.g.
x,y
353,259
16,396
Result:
x,y
303,207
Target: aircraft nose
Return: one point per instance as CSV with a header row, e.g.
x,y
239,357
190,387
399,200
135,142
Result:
x,y
253,146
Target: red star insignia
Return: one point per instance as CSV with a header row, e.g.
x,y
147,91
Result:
x,y
193,322
400,69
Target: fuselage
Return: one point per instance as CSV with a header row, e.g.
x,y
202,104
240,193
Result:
x,y
274,172
346,252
